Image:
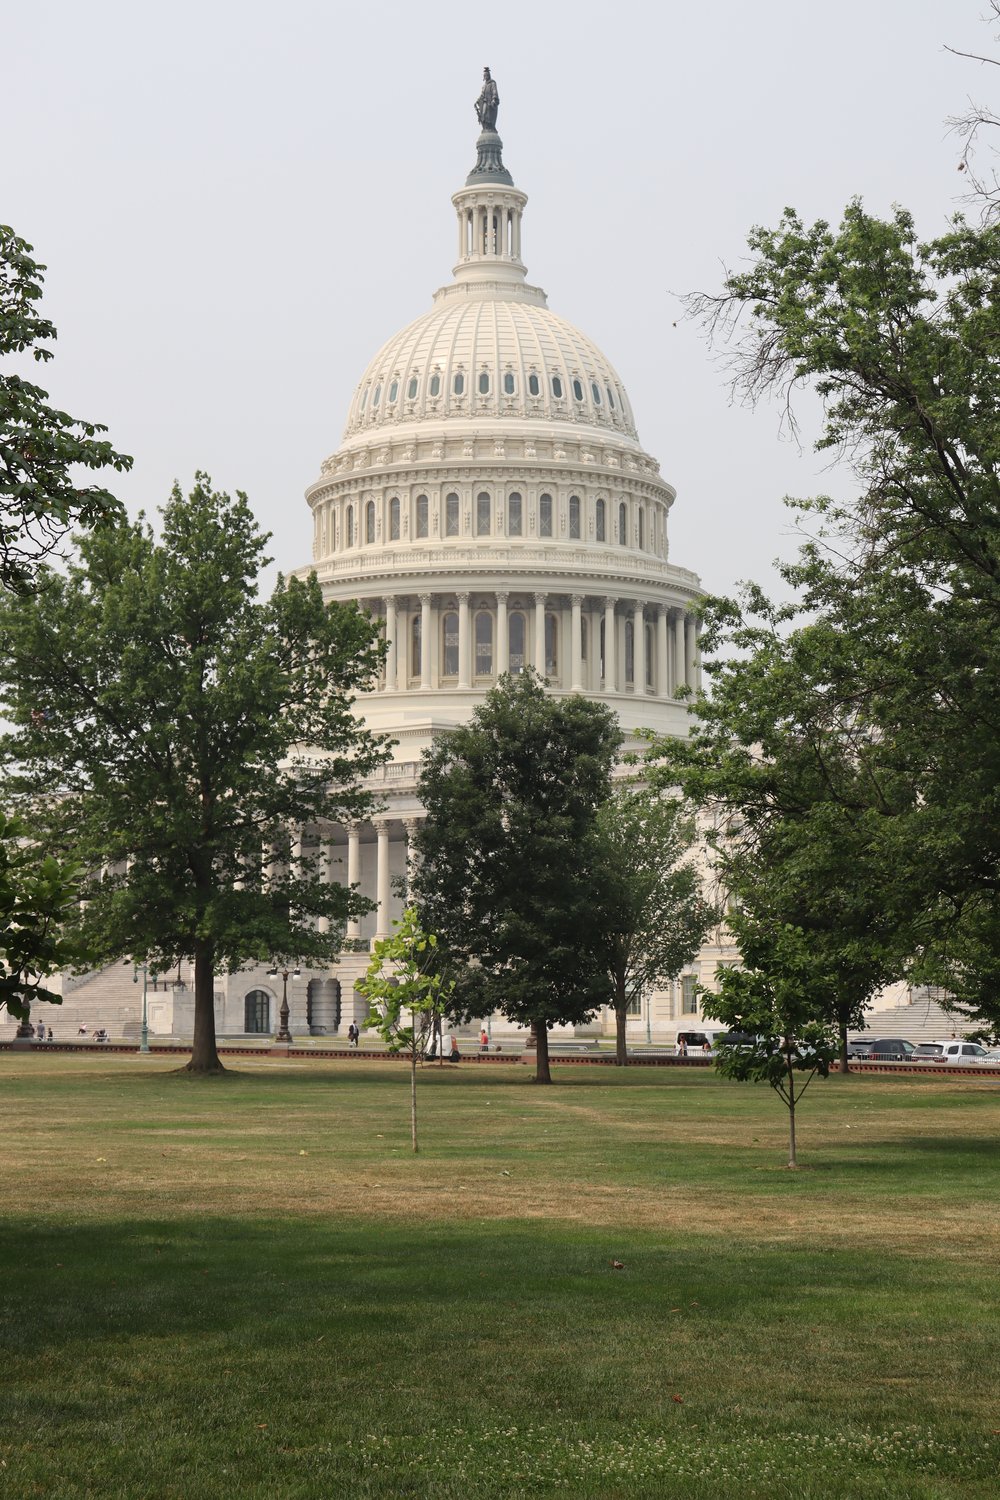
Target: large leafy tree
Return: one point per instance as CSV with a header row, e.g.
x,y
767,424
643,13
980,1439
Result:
x,y
41,498
38,896
508,873
899,340
654,915
192,739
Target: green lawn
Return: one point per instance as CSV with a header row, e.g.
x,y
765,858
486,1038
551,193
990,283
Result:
x,y
251,1287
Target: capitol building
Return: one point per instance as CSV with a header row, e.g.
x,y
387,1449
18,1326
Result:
x,y
492,505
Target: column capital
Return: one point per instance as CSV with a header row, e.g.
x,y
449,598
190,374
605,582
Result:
x,y
412,822
502,595
541,598
463,596
577,600
381,826
610,603
426,600
662,610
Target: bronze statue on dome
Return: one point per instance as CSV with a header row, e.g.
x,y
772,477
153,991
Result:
x,y
488,102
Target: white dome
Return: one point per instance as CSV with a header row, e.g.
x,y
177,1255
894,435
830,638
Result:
x,y
490,351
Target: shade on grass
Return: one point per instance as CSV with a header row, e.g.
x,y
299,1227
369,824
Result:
x,y
206,1310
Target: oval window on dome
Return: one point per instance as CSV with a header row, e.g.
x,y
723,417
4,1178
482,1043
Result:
x,y
394,390
578,390
611,399
364,399
435,385
596,392
533,386
458,384
411,389
451,515
557,387
377,396
508,384
484,383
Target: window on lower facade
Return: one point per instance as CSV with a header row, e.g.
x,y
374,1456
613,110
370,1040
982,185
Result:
x,y
551,646
257,1012
633,1006
622,526
545,515
416,648
394,519
350,525
370,521
600,524
484,514
516,632
514,513
649,656
689,995
451,515
629,651
574,518
484,644
420,529
449,645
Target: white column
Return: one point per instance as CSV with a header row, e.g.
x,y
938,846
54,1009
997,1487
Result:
x,y
464,677
382,887
411,825
354,872
697,655
391,655
678,674
638,649
576,644
661,651
610,648
690,650
540,634
503,639
425,641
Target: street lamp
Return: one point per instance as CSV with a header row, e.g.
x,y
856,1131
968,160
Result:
x,y
283,1034
144,1032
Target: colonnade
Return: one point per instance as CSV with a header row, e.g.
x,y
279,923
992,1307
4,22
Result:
x,y
579,642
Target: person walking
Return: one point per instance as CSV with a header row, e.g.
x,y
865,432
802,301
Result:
x,y
40,1031
353,1035
484,1040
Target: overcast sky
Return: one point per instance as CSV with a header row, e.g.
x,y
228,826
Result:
x,y
238,203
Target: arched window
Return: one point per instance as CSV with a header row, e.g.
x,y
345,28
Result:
x,y
370,521
350,525
451,515
416,648
551,646
484,644
514,514
458,384
574,518
484,514
394,519
595,390
642,527
600,523
364,399
516,631
545,515
649,655
257,1012
578,390
557,387
377,397
449,644
533,386
394,390
435,385
484,382
629,651
508,384
420,528
611,399
622,525
411,389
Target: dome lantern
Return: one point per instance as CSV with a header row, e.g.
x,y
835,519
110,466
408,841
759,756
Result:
x,y
489,206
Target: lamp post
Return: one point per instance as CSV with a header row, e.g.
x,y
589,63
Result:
x,y
283,1034
143,969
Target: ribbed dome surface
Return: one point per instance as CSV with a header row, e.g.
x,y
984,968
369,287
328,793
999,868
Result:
x,y
490,354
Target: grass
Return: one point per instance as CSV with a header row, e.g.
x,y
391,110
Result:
x,y
251,1286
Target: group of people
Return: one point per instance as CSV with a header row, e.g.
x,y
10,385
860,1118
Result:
x,y
43,1033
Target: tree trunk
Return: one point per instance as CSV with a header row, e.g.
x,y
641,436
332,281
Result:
x,y
792,1162
204,1057
542,1073
843,1048
621,1050
413,1092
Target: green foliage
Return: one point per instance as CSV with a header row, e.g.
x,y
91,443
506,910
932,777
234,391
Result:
x,y
40,499
900,588
403,983
654,916
507,874
37,896
171,728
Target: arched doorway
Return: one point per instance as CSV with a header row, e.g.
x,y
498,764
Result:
x,y
257,1013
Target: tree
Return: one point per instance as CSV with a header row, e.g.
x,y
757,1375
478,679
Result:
x,y
403,984
506,873
38,895
654,916
776,1004
192,740
977,123
899,339
40,500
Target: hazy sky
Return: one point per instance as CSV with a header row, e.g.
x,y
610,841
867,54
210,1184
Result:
x,y
238,203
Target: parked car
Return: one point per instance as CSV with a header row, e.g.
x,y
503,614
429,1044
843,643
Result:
x,y
859,1048
928,1052
890,1049
964,1053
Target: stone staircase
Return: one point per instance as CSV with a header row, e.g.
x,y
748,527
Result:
x,y
921,1019
105,997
